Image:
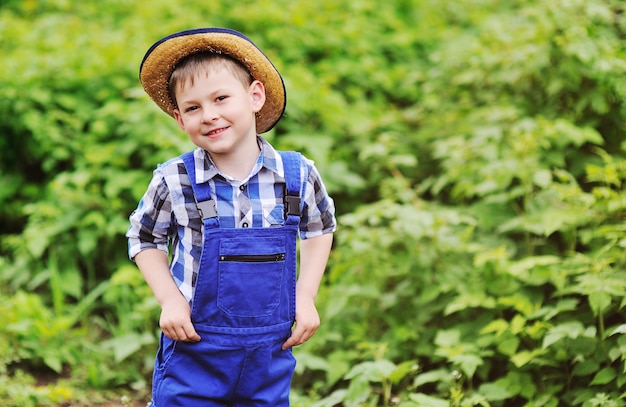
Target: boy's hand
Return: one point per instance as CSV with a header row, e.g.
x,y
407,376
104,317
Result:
x,y
313,256
307,322
175,320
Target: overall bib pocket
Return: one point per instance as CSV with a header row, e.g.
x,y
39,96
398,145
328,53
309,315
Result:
x,y
250,276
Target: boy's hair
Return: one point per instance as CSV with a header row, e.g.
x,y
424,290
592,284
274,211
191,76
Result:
x,y
188,68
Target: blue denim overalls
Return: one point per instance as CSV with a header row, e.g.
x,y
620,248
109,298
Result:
x,y
243,308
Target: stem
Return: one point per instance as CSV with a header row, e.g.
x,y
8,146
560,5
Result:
x,y
56,286
386,392
601,325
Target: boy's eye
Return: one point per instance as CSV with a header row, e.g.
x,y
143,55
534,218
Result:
x,y
221,98
191,108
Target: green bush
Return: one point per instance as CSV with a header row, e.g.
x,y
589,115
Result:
x,y
475,150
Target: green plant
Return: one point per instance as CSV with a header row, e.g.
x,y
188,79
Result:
x,y
474,149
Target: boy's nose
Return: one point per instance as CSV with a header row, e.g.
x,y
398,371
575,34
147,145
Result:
x,y
209,114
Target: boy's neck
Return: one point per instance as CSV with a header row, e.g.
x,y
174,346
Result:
x,y
237,166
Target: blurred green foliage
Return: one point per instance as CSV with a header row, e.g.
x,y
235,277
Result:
x,y
475,149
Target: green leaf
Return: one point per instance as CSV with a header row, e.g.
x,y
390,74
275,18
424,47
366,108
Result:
x,y
542,178
424,400
335,398
468,363
433,376
524,357
494,392
470,300
128,344
53,362
403,370
358,392
448,338
499,326
571,330
509,346
372,371
620,329
585,368
604,376
599,301
306,360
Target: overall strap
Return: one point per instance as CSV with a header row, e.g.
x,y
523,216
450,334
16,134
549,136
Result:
x,y
294,186
206,205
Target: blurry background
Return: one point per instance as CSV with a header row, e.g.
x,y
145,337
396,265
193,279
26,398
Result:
x,y
475,149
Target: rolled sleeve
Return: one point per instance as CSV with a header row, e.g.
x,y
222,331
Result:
x,y
151,221
318,217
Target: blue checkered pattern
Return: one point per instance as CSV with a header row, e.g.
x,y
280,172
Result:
x,y
167,215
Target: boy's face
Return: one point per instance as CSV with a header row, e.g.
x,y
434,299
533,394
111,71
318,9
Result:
x,y
218,111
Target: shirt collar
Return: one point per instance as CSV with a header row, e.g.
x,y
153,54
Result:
x,y
268,159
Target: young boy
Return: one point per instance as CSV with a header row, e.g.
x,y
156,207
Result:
x,y
230,211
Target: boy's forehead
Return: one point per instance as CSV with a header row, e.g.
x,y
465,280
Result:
x,y
209,62
215,75
209,67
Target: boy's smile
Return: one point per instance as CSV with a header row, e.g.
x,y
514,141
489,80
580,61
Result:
x,y
217,131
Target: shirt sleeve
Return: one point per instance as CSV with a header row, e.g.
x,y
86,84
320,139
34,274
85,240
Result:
x,y
318,215
151,221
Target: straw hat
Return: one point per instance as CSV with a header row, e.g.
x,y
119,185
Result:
x,y
164,55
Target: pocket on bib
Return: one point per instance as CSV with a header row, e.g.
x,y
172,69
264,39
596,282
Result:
x,y
250,275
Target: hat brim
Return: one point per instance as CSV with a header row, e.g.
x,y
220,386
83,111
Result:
x,y
161,59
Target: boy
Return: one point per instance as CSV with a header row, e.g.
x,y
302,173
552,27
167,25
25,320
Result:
x,y
230,211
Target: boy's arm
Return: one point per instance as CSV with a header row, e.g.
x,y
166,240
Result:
x,y
314,254
175,321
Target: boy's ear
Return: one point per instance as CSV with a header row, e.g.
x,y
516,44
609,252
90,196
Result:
x,y
257,93
179,119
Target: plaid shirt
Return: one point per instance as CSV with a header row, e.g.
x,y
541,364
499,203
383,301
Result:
x,y
167,215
